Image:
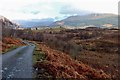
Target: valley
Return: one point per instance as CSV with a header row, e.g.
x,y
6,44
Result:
x,y
58,52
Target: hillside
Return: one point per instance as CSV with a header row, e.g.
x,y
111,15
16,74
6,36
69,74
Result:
x,y
6,23
61,65
7,41
61,52
99,20
90,20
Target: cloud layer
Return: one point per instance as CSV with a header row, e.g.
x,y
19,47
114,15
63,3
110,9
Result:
x,y
58,9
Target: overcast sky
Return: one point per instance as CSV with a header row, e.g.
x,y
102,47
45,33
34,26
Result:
x,y
58,9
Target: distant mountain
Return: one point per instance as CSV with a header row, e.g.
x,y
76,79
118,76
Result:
x,y
98,20
35,22
90,20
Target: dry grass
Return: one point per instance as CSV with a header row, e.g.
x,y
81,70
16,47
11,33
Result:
x,y
104,61
61,65
9,43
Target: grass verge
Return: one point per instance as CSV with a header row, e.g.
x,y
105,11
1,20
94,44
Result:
x,y
39,56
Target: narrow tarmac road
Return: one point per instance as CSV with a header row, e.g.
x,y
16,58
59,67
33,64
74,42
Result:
x,y
18,63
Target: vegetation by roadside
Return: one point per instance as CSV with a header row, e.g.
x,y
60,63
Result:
x,y
9,49
94,47
39,56
9,44
61,65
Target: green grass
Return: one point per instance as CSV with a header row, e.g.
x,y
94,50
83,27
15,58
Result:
x,y
38,55
55,29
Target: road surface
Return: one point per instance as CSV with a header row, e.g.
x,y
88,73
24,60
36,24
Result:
x,y
18,63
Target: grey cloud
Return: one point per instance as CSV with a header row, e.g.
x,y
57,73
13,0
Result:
x,y
31,11
70,10
35,12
